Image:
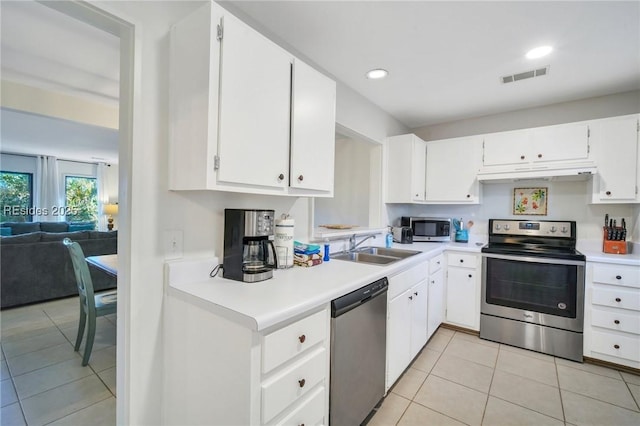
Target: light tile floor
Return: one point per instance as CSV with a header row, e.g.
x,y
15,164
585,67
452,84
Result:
x,y
460,379
43,380
456,379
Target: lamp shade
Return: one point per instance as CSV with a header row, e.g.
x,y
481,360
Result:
x,y
110,209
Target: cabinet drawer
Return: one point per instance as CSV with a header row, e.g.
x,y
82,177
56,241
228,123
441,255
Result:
x,y
625,275
435,263
616,320
462,260
627,347
405,280
618,298
308,412
284,344
282,390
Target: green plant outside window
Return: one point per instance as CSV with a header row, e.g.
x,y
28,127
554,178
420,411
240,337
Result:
x,y
81,195
16,197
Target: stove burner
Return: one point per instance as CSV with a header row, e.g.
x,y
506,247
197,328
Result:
x,y
551,239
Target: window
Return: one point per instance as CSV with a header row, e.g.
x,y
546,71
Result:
x,y
81,194
16,197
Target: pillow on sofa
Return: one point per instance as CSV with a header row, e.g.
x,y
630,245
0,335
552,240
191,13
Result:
x,y
54,226
23,227
59,236
81,226
5,231
94,235
33,237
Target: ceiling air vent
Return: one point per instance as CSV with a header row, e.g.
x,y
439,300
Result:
x,y
524,75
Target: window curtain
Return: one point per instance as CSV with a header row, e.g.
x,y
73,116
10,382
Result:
x,y
103,195
47,191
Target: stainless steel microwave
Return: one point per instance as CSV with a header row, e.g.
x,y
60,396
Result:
x,y
428,228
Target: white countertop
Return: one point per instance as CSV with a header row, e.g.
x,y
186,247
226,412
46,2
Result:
x,y
592,249
291,292
297,291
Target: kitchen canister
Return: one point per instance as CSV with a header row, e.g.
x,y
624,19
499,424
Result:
x,y
283,241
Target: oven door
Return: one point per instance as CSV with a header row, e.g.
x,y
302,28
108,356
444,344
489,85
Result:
x,y
542,291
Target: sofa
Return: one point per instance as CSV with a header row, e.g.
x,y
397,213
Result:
x,y
36,266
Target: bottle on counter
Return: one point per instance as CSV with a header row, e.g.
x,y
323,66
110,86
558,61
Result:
x,y
326,257
388,239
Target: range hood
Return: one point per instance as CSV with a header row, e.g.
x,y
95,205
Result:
x,y
561,171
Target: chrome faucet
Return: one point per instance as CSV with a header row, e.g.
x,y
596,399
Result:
x,y
352,241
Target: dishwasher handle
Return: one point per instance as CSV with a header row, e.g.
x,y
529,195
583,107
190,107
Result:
x,y
358,297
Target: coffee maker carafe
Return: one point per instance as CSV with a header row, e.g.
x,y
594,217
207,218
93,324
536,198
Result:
x,y
249,253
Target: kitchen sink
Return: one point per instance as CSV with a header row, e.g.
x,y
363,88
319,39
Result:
x,y
376,255
382,251
366,258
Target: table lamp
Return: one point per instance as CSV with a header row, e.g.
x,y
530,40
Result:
x,y
110,210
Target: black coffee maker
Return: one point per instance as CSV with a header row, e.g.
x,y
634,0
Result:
x,y
249,253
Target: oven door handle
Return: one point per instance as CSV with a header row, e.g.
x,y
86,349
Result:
x,y
533,259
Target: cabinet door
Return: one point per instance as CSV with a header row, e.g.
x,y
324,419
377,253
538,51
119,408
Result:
x,y
435,310
255,93
418,177
452,167
462,306
419,300
616,153
507,148
557,143
398,336
313,124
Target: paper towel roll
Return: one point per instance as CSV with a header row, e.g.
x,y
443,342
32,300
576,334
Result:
x,y
283,241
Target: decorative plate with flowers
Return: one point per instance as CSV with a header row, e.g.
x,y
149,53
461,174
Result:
x,y
530,201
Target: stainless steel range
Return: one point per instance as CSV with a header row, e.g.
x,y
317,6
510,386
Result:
x,y
533,287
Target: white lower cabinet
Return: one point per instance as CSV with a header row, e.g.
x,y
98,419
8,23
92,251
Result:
x,y
435,310
612,313
406,319
463,290
242,376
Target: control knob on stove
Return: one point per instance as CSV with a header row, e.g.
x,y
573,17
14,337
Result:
x,y
506,227
564,230
498,226
553,229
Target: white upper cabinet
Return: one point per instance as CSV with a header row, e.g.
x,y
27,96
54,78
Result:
x,y
246,116
255,109
313,124
452,168
566,142
405,169
507,148
617,154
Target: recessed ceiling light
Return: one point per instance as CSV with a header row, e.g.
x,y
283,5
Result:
x,y
377,74
539,52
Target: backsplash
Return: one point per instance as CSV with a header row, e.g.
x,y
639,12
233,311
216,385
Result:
x,y
567,200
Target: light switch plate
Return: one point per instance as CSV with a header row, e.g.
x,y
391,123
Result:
x,y
173,244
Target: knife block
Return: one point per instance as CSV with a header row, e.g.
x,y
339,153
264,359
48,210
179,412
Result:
x,y
613,246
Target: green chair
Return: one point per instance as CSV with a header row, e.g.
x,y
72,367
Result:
x,y
91,305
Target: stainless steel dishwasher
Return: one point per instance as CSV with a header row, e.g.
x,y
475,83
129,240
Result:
x,y
358,353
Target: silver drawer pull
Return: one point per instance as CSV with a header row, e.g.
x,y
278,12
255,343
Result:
x,y
616,321
301,382
616,346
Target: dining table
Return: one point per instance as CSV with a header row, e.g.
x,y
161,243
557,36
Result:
x,y
107,263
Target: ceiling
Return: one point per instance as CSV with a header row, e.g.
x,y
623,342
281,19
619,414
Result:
x,y
43,48
445,59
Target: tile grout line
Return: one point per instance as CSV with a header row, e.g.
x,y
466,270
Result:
x,y
493,374
564,415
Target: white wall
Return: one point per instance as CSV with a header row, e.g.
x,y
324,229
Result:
x,y
566,201
350,203
566,112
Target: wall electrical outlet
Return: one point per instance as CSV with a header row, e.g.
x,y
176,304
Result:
x,y
173,244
